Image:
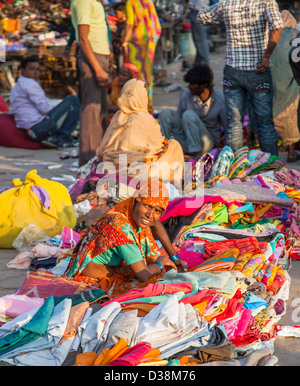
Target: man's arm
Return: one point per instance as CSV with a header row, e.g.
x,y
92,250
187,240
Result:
x,y
37,97
85,45
210,15
274,37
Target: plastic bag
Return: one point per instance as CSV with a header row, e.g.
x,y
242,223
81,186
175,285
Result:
x,y
31,233
47,204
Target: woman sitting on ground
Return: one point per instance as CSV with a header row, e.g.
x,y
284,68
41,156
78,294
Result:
x,y
135,133
119,250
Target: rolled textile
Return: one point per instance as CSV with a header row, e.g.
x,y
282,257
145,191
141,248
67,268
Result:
x,y
204,165
240,163
253,264
241,261
278,281
224,261
223,163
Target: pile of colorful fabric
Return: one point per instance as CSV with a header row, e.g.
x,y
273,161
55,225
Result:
x,y
238,239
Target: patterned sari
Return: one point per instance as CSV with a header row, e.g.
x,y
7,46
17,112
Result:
x,y
117,228
145,35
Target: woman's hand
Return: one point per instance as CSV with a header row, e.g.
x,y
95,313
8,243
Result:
x,y
181,266
166,262
125,49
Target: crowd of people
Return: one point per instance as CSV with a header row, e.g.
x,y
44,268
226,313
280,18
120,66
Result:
x,y
130,245
271,97
203,114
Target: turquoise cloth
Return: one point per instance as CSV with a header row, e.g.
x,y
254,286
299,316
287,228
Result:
x,y
31,331
86,296
222,281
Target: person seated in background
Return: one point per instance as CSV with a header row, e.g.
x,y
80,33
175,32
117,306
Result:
x,y
119,250
52,126
134,132
127,71
200,115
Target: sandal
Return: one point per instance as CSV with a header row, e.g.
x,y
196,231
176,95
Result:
x,y
294,159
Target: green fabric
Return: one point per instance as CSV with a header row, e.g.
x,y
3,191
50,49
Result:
x,y
261,167
86,296
155,299
220,216
173,362
130,253
31,331
237,225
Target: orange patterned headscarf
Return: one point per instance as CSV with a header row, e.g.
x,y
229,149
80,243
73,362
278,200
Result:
x,y
153,193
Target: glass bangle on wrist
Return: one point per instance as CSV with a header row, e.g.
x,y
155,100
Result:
x,y
160,266
175,257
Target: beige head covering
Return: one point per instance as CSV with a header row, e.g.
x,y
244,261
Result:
x,y
288,20
134,97
133,130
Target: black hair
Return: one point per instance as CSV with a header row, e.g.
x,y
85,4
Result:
x,y
200,74
120,6
29,59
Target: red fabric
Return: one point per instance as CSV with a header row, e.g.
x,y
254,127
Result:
x,y
248,244
198,297
3,105
153,290
133,355
11,136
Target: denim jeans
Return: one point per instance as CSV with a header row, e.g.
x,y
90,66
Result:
x,y
200,40
189,131
62,120
236,85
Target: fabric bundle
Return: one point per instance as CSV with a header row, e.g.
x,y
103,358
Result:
x,y
253,265
203,167
223,261
240,163
223,163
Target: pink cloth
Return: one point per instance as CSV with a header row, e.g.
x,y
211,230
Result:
x,y
188,205
191,258
199,297
15,305
21,261
290,177
133,355
152,290
243,323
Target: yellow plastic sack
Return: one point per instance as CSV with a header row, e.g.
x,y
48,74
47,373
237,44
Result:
x,y
35,201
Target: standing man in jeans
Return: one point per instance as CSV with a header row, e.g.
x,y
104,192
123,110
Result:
x,y
52,126
248,65
88,19
199,32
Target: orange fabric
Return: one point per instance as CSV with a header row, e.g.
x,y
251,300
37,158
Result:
x,y
143,308
86,359
76,316
183,361
112,353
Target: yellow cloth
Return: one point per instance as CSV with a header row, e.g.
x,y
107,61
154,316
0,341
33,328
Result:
x,y
129,13
135,134
91,12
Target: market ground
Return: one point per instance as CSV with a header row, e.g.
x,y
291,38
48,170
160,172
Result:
x,y
15,163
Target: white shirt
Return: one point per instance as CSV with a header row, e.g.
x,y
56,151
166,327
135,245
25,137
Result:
x,y
28,103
